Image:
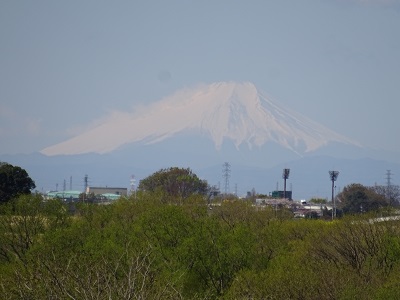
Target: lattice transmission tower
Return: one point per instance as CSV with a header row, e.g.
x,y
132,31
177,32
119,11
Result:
x,y
226,174
389,188
132,184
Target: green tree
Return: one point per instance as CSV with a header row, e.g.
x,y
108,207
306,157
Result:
x,y
24,220
174,182
102,253
318,201
355,257
214,253
391,193
14,181
356,198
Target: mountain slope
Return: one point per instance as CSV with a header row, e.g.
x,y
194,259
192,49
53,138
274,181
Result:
x,y
222,111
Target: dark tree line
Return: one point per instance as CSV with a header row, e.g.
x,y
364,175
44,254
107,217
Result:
x,y
175,183
357,198
14,181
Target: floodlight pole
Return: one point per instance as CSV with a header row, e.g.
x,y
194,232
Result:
x,y
285,176
333,175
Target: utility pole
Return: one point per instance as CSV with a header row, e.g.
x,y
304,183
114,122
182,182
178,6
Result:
x,y
64,188
85,183
333,176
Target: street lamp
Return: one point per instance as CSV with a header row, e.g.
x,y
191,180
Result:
x,y
333,175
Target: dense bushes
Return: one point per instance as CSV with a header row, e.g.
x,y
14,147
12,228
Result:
x,y
142,248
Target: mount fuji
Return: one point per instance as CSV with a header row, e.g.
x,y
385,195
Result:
x,y
225,112
202,128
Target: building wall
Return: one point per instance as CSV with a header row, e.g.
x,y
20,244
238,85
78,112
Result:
x,y
107,190
280,194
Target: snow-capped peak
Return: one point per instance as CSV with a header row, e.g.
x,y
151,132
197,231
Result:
x,y
224,111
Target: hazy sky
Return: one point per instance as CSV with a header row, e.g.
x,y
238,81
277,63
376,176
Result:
x,y
64,64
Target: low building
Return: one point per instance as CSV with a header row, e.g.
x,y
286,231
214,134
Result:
x,y
310,210
107,190
282,194
64,195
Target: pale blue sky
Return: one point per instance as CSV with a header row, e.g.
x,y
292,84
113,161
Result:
x,y
64,64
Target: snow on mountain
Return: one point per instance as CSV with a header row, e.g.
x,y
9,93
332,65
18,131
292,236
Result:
x,y
223,111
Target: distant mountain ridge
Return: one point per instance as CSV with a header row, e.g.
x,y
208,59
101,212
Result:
x,y
225,111
201,128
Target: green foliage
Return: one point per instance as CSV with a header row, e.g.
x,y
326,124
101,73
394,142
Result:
x,y
176,183
356,198
23,221
214,253
14,181
318,200
145,248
